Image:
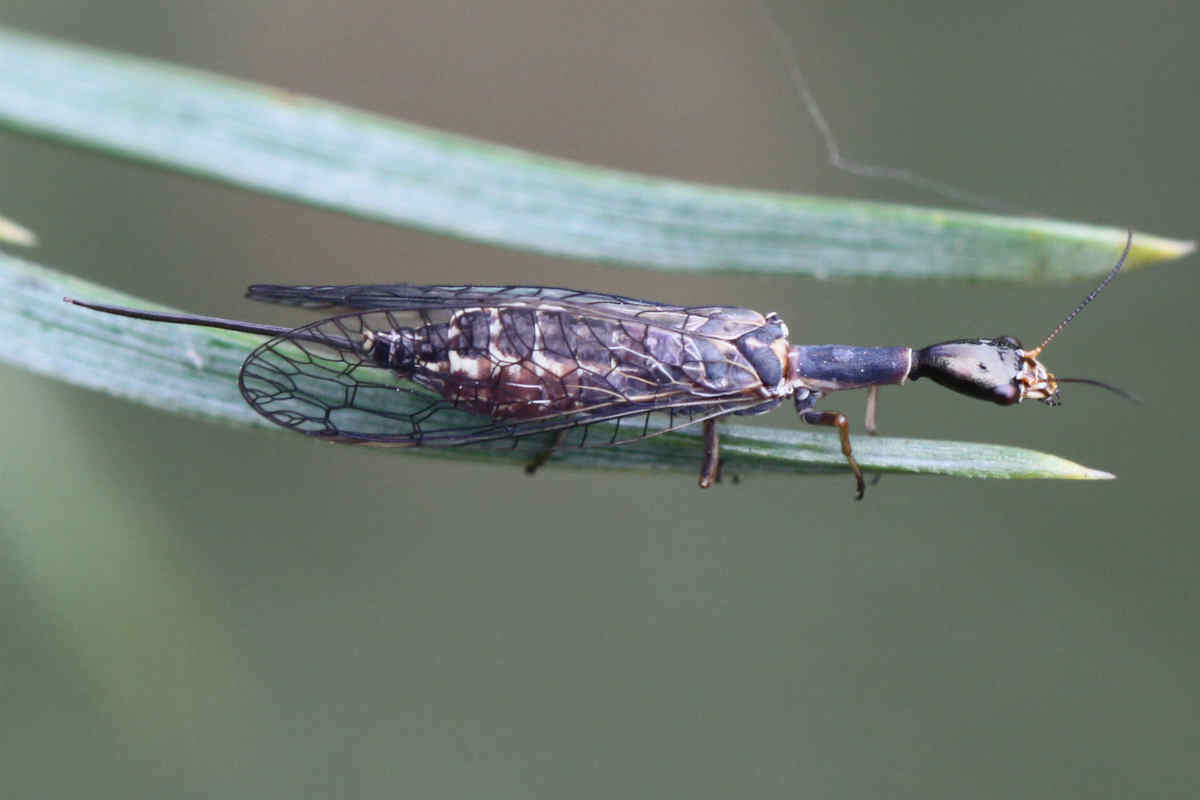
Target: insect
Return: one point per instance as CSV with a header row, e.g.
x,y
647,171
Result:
x,y
440,366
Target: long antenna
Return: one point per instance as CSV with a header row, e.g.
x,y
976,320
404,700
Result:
x,y
1117,390
1112,273
787,52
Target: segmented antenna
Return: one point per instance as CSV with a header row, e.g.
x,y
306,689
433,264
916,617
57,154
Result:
x,y
1112,273
1117,390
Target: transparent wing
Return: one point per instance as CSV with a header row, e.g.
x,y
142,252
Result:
x,y
403,296
318,380
723,322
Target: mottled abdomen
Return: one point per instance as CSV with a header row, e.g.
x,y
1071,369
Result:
x,y
526,362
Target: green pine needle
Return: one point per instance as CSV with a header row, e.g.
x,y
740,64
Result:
x,y
324,154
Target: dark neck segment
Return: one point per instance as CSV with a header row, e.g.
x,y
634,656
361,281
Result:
x,y
834,367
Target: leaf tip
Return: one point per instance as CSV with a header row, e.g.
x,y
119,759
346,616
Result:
x,y
13,233
1046,465
1148,249
1072,471
1097,475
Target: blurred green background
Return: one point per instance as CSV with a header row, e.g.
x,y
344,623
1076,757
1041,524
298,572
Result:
x,y
190,610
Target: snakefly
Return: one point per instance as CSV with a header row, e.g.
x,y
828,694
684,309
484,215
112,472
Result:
x,y
439,366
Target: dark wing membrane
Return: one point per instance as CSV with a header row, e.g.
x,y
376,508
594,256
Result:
x,y
723,322
318,380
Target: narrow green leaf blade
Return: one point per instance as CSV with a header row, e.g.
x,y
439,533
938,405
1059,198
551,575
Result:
x,y
310,151
15,233
193,372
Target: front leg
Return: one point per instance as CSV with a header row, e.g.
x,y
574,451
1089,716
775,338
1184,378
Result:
x,y
836,419
832,419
